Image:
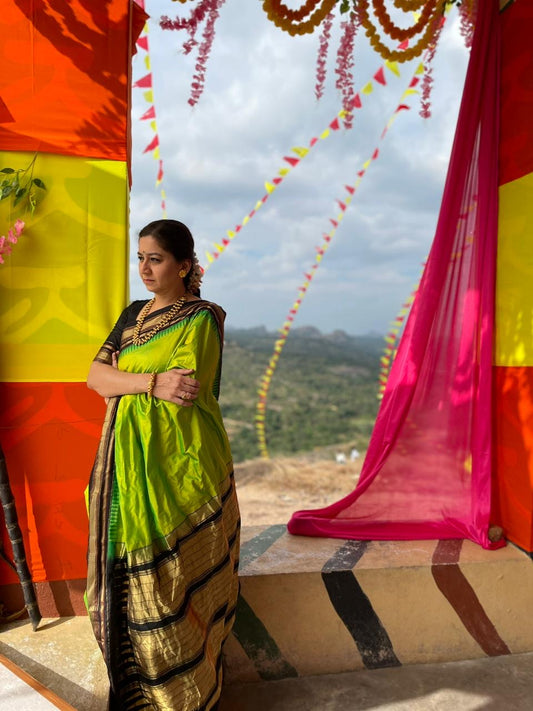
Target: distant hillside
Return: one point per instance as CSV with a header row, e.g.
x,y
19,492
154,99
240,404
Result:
x,y
323,392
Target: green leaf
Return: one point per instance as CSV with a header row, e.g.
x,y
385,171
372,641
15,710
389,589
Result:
x,y
7,190
20,192
39,183
7,170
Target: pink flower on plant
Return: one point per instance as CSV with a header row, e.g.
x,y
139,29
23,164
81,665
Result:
x,y
19,227
2,242
11,237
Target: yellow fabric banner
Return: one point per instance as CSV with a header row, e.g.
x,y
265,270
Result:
x,y
65,282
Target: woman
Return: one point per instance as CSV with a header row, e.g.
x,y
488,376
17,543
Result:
x,y
164,520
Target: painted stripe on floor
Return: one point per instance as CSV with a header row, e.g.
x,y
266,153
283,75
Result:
x,y
354,607
455,587
254,548
259,646
19,690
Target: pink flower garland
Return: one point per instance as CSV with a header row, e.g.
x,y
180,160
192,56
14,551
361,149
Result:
x,y
211,9
322,56
344,66
12,238
467,13
427,81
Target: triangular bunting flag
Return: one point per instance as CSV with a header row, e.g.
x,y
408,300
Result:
x,y
335,125
142,42
379,76
393,67
291,161
152,145
144,83
150,114
149,96
368,89
300,151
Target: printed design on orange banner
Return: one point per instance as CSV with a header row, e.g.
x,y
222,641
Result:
x,y
343,204
146,83
61,422
300,152
72,98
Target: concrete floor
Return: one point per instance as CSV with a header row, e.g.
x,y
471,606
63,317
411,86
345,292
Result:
x,y
64,657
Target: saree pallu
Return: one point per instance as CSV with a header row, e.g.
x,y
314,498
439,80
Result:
x,y
164,523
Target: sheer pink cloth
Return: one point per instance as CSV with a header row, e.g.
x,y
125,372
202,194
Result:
x,y
427,473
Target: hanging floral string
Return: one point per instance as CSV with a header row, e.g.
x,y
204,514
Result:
x,y
211,10
427,79
467,13
322,56
344,66
343,204
25,191
12,238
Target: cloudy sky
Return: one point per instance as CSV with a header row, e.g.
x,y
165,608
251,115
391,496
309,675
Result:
x,y
258,103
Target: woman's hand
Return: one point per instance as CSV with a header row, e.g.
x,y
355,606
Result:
x,y
177,386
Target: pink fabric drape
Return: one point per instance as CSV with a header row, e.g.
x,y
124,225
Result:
x,y
427,473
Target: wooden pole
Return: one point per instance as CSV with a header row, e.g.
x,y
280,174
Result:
x,y
17,543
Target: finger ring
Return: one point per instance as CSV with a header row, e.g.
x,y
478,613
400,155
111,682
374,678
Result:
x,y
185,396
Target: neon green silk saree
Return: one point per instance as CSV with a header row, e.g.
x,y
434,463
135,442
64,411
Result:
x,y
164,523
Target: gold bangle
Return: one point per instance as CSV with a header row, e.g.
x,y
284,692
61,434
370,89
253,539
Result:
x,y
151,385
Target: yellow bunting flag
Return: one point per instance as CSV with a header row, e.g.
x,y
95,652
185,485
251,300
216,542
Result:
x,y
393,66
149,96
325,133
269,187
300,151
368,88
208,257
230,234
420,69
147,62
153,125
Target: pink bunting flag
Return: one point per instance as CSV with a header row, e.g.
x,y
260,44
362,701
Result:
x,y
335,125
292,161
142,42
150,114
160,172
277,181
402,107
375,154
144,82
379,76
152,145
313,141
350,189
357,103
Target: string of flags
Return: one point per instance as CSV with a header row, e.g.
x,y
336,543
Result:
x,y
300,152
321,249
391,340
146,83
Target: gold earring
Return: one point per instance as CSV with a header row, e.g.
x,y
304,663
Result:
x,y
182,273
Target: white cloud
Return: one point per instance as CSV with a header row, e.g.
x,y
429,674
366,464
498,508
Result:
x,y
259,103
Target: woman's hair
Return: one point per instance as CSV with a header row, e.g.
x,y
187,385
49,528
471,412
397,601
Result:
x,y
176,238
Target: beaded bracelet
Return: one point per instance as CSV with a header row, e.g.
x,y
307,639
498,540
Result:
x,y
151,385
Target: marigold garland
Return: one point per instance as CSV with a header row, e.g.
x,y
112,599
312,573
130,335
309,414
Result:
x,y
399,55
281,15
398,33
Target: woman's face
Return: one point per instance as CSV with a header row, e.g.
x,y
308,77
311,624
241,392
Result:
x,y
158,268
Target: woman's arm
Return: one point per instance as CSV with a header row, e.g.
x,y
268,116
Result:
x,y
108,381
174,385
